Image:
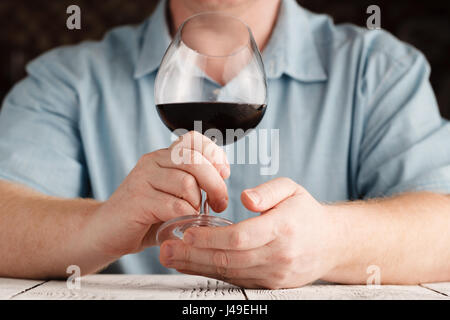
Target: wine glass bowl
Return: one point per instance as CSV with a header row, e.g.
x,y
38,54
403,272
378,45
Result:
x,y
211,80
211,48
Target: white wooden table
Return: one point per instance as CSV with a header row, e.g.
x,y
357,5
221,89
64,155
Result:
x,y
181,287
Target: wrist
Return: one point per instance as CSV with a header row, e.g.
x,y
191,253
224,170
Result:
x,y
92,255
354,237
341,232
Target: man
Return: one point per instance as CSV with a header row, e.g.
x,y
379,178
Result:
x,y
363,180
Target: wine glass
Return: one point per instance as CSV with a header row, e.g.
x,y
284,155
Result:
x,y
211,80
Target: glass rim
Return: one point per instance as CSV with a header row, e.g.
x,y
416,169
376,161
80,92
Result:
x,y
241,48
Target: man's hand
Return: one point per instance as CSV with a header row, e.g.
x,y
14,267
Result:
x,y
159,189
293,242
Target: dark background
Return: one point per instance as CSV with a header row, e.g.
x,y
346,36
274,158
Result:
x,y
30,27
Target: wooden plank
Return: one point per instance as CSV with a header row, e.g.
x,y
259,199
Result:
x,y
130,287
11,287
344,292
443,287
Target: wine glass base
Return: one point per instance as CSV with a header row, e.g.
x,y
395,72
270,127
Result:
x,y
174,229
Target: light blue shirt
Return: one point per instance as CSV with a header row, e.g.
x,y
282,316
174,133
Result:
x,y
356,114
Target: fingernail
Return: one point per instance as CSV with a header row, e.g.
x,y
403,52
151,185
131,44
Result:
x,y
168,252
225,172
256,199
188,238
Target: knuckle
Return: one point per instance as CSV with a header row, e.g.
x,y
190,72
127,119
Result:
x,y
238,239
188,182
220,259
286,256
279,277
286,259
214,153
287,230
178,206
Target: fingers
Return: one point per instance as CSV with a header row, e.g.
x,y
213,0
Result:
x,y
177,250
223,274
165,206
180,184
269,194
202,144
233,273
204,173
203,163
248,234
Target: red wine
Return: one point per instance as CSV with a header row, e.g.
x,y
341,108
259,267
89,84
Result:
x,y
214,115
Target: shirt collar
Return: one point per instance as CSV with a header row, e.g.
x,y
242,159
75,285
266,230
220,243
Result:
x,y
156,39
291,49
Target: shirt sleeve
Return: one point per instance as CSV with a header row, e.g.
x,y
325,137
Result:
x,y
405,145
40,143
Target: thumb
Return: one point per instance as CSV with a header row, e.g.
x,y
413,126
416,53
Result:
x,y
269,194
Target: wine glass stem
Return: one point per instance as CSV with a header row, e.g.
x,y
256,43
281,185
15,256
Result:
x,y
205,206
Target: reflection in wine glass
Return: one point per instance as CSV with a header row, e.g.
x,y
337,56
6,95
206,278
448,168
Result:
x,y
212,72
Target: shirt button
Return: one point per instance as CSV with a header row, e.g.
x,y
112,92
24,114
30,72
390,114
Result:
x,y
216,92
